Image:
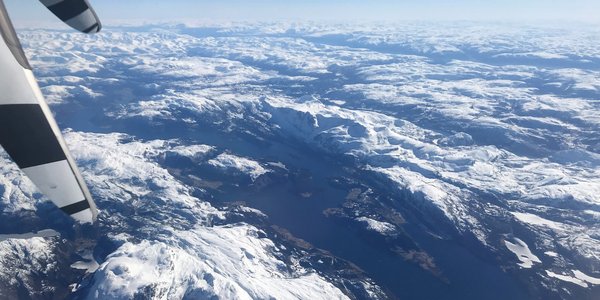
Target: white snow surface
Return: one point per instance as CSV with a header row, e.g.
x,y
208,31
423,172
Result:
x,y
22,236
201,261
589,279
521,250
579,278
243,165
567,278
194,152
383,228
22,259
229,262
444,127
538,221
17,191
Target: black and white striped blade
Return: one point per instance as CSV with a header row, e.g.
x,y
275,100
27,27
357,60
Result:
x,y
31,137
78,14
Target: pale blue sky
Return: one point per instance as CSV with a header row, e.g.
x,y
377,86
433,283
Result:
x,y
174,10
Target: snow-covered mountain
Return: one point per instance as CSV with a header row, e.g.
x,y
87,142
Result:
x,y
412,160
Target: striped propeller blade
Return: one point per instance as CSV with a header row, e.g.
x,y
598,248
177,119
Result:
x,y
30,135
75,13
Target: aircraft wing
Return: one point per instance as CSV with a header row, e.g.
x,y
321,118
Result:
x,y
30,135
